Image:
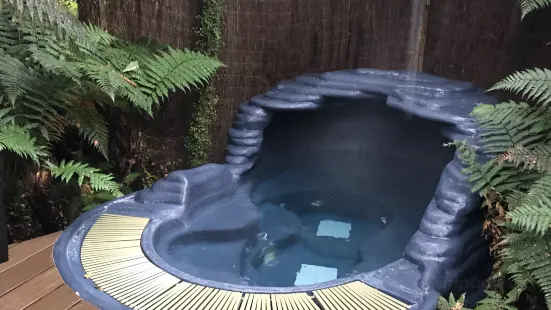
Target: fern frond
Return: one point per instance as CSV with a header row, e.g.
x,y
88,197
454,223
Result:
x,y
17,139
14,77
92,126
10,38
514,198
55,65
176,69
537,159
502,177
533,84
98,180
494,301
532,253
518,274
534,211
99,36
511,124
48,12
528,6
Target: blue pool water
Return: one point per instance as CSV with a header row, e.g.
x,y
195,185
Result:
x,y
327,233
298,238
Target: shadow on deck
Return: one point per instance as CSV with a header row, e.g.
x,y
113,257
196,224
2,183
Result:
x,y
30,281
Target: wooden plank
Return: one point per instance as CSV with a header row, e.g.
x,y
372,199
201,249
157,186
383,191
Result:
x,y
83,305
61,298
34,289
28,249
4,251
25,270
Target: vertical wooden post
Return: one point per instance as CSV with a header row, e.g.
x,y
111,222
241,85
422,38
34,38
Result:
x,y
3,228
3,236
417,34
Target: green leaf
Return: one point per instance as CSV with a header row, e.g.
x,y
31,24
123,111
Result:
x,y
129,179
528,6
17,139
98,180
533,84
133,66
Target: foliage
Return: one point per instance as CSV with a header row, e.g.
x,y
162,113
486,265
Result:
x,y
92,199
210,29
528,6
71,5
513,173
98,181
493,301
451,303
57,73
210,42
198,140
52,14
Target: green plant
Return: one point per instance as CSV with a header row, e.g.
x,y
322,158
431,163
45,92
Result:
x,y
71,5
209,41
57,73
516,180
493,301
91,199
528,6
451,303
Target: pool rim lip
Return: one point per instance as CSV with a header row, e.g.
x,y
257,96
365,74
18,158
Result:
x,y
70,241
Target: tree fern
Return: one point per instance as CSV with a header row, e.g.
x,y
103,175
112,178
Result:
x,y
55,71
528,6
516,162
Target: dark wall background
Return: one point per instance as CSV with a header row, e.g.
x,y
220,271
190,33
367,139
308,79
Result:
x,y
270,40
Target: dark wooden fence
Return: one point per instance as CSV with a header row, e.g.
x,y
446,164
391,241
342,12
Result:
x,y
270,40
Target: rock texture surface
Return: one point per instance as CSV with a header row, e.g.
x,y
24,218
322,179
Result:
x,y
445,247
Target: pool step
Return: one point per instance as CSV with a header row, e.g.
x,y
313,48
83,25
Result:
x,y
112,258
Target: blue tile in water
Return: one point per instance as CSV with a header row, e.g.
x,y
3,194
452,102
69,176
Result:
x,y
335,229
311,274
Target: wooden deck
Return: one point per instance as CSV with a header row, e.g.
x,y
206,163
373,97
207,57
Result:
x,y
30,281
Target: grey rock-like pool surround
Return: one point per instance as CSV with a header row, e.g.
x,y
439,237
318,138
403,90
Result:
x,y
347,129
